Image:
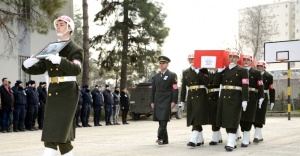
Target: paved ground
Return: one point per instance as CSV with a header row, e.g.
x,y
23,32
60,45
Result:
x,y
281,137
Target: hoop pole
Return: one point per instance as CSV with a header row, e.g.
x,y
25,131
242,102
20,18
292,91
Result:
x,y
289,91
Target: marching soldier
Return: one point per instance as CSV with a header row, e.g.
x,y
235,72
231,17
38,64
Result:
x,y
213,96
63,92
260,117
256,94
163,98
197,106
234,96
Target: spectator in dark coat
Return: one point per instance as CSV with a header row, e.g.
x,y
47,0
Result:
x,y
33,104
43,98
86,106
124,105
6,105
19,107
108,101
97,104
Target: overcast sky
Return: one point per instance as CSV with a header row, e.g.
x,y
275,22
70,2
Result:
x,y
194,25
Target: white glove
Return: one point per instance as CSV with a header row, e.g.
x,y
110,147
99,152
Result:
x,y
244,105
272,105
181,105
197,70
220,69
260,101
30,62
55,59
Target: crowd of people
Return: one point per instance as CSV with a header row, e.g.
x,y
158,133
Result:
x,y
23,105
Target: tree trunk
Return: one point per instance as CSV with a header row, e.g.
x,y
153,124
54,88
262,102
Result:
x,y
85,67
125,46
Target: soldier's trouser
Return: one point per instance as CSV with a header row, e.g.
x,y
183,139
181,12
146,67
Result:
x,y
116,111
41,116
107,108
32,115
245,126
84,110
124,115
88,114
214,127
77,115
231,130
162,132
97,114
258,125
63,147
197,128
18,117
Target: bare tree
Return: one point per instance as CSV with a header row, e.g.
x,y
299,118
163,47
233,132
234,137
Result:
x,y
256,26
86,46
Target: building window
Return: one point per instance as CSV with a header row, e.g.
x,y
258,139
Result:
x,y
22,75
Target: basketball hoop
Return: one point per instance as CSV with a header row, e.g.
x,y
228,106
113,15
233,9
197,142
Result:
x,y
280,60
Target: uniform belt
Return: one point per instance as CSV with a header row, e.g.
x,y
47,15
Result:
x,y
266,91
252,89
196,87
59,79
213,90
227,87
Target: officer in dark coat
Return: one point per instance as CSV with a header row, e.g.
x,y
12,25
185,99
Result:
x,y
32,105
108,101
234,96
163,98
124,100
260,117
213,96
63,92
19,109
197,107
256,94
6,105
43,98
97,104
86,105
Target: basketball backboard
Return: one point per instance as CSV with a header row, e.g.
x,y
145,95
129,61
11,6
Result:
x,y
282,50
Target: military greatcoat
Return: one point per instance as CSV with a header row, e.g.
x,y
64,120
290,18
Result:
x,y
197,105
260,117
256,91
164,92
59,125
213,96
230,100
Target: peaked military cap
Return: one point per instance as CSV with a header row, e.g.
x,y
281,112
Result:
x,y
164,59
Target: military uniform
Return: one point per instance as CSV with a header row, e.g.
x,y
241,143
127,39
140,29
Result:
x,y
213,96
256,92
164,92
59,125
197,105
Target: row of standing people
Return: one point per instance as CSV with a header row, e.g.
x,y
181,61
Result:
x,y
111,101
23,105
230,97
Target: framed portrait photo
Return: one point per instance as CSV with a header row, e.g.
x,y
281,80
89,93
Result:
x,y
51,48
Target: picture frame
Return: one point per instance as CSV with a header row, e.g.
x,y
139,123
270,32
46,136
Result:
x,y
51,48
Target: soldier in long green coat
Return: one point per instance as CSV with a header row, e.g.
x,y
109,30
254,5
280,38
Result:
x,y
164,96
256,97
63,91
260,117
234,96
195,80
213,97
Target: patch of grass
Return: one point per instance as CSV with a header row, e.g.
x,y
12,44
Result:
x,y
296,111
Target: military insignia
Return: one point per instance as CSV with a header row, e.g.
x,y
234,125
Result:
x,y
245,81
271,86
260,83
166,77
77,62
175,86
